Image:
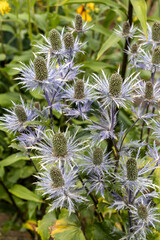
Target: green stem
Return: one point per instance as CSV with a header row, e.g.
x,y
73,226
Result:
x,y
29,20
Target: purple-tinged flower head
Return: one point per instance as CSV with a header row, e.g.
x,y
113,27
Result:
x,y
148,91
53,46
97,183
153,152
17,118
134,54
96,161
104,127
133,172
59,148
126,30
31,136
80,111
78,25
144,216
60,187
114,90
39,75
80,93
153,35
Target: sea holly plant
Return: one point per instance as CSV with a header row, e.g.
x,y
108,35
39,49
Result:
x,y
93,172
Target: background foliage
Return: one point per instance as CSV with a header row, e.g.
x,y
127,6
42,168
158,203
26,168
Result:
x,y
21,29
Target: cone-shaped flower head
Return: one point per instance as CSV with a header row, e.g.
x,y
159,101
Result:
x,y
156,31
132,171
134,48
115,84
68,41
142,212
40,68
20,113
79,89
37,105
126,28
149,90
97,156
59,145
55,40
78,22
57,178
156,56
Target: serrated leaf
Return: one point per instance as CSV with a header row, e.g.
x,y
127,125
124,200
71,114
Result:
x,y
111,41
24,193
44,224
12,159
140,8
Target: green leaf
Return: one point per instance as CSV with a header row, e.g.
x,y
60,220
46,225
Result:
x,y
6,98
97,66
67,228
12,159
111,41
140,8
106,2
24,193
43,225
2,57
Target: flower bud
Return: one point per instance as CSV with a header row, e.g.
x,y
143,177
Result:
x,y
55,40
79,89
40,68
57,178
156,31
134,48
156,56
132,171
20,113
142,212
149,90
115,84
78,23
37,105
126,28
59,145
97,156
68,41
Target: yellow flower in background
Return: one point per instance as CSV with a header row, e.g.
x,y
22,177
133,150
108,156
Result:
x,y
4,7
85,10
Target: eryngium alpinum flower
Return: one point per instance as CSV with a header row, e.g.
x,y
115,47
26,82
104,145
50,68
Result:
x,y
78,25
60,187
18,116
68,41
156,56
126,30
148,92
80,92
113,90
38,75
156,32
40,69
96,162
58,148
133,173
144,216
55,40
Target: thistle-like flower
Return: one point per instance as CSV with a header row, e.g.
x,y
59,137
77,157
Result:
x,y
145,216
148,91
80,93
104,127
98,162
59,148
134,54
78,25
17,118
38,75
114,90
126,30
60,188
153,35
98,183
132,173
